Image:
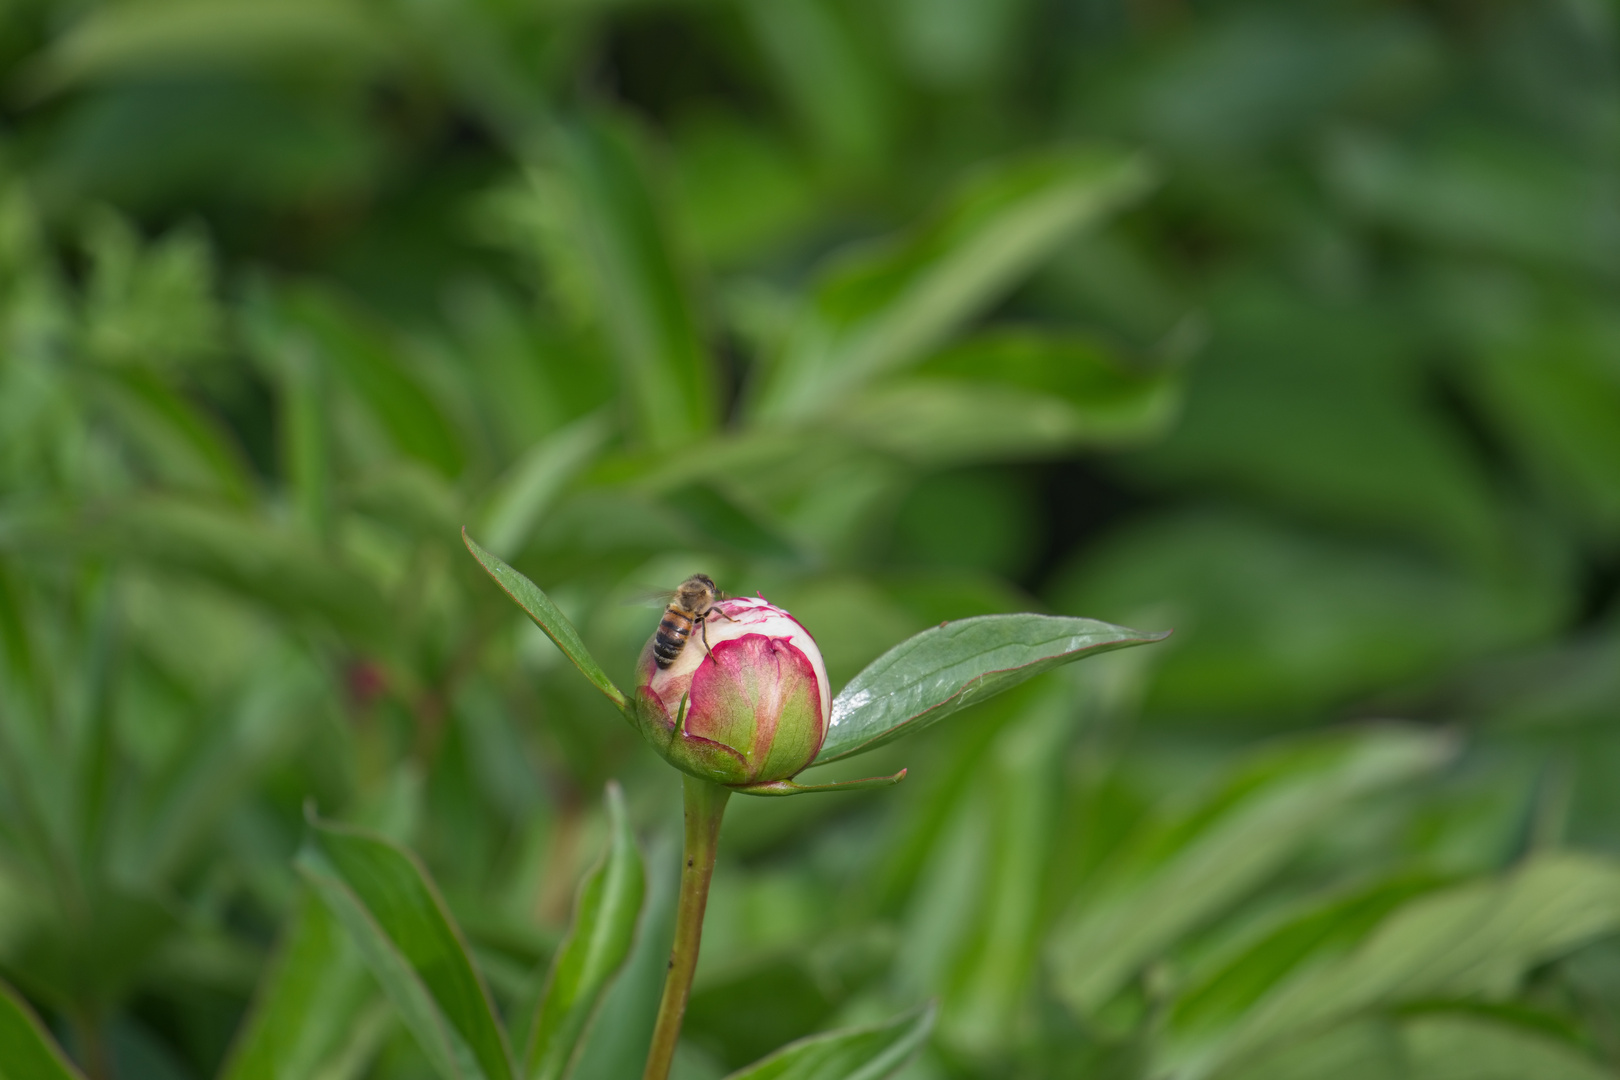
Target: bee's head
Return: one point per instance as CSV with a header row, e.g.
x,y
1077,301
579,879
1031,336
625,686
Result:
x,y
698,591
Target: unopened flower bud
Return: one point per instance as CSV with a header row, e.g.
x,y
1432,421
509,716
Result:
x,y
746,701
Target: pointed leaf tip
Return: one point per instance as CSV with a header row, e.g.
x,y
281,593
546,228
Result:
x,y
948,667
381,895
598,944
548,617
788,787
26,1047
858,1053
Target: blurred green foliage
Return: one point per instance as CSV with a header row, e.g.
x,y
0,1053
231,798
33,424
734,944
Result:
x,y
1287,324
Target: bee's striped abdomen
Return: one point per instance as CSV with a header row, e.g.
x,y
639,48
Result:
x,y
673,630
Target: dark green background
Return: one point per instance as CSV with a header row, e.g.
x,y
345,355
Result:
x,y
1291,325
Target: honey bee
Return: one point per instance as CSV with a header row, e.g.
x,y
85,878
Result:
x,y
691,605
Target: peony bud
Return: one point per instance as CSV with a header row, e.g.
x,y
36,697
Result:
x,y
749,706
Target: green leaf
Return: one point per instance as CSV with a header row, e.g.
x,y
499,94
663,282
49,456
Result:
x,y
367,357
1015,392
714,514
1475,939
27,1051
1176,875
1023,776
861,1053
841,95
270,715
184,444
950,421
533,482
243,553
1355,1051
394,915
616,1043
1243,585
1222,995
548,617
887,308
939,671
172,36
1461,1047
310,1005
638,283
597,945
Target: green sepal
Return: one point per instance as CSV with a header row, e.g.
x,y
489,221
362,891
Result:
x,y
788,787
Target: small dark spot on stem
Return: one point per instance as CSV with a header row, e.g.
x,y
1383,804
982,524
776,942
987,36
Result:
x,y
688,862
672,962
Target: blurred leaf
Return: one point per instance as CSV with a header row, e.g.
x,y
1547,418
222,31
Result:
x,y
1461,1047
548,617
307,1008
1012,393
715,514
1556,393
1220,997
1482,190
819,64
1475,939
867,1053
616,1043
598,942
1306,620
939,671
369,360
385,901
1112,394
533,482
169,35
1287,392
303,435
188,447
1352,1051
645,311
743,1010
740,185
149,306
1177,875
256,730
27,1051
936,420
885,309
262,563
990,986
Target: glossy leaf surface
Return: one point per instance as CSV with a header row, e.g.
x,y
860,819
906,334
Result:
x,y
598,943
863,1053
939,671
383,898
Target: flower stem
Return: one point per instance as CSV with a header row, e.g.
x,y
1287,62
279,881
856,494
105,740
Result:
x,y
705,806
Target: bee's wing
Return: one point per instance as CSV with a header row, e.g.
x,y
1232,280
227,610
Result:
x,y
647,598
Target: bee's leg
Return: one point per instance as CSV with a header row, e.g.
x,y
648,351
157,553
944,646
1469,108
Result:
x,y
703,620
